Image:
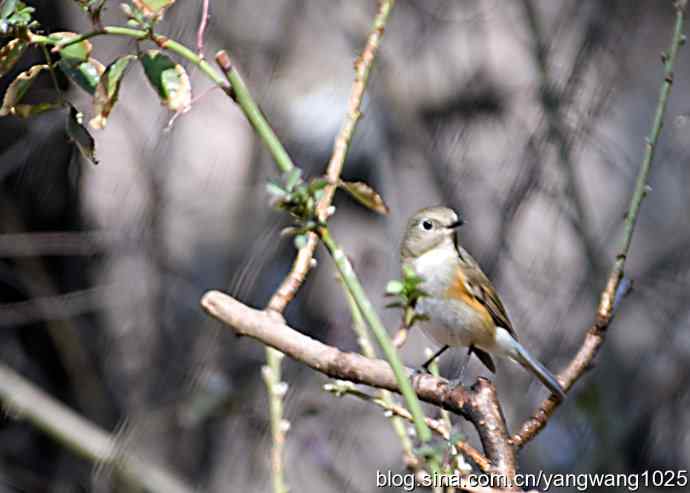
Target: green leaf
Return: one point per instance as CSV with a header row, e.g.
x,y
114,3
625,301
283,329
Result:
x,y
86,74
168,79
108,89
10,54
394,287
153,8
78,134
317,184
275,190
409,274
7,8
76,53
365,195
14,14
18,89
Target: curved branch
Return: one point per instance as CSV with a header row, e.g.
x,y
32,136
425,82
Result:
x,y
607,305
478,404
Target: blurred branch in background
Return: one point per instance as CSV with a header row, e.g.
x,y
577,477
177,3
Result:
x,y
22,401
557,132
53,244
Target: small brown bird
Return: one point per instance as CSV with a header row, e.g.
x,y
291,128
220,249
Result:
x,y
461,305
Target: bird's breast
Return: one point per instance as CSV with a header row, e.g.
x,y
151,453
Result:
x,y
455,317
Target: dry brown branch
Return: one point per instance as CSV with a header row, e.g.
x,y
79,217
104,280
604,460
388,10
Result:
x,y
292,282
607,304
478,404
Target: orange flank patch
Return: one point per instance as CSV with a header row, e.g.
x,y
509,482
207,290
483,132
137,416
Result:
x,y
458,291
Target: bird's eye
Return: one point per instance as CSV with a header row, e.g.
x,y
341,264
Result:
x,y
427,225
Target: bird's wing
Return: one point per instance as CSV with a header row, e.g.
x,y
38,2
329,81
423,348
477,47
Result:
x,y
482,289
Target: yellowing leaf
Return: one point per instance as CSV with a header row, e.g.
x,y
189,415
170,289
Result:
x,y
18,89
365,195
28,110
81,137
9,54
153,8
168,79
76,53
108,89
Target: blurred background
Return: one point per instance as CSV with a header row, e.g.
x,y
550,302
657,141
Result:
x,y
527,116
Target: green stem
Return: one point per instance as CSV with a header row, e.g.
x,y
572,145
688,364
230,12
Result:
x,y
433,369
354,287
607,303
53,77
251,110
140,35
240,91
276,392
360,328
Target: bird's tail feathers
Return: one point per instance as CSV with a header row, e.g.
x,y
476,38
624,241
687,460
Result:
x,y
531,364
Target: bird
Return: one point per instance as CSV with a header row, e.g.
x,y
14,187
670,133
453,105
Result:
x,y
459,306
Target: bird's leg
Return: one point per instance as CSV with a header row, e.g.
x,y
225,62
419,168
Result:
x,y
458,381
433,357
425,367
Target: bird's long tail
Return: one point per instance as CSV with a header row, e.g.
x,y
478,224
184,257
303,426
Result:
x,y
528,362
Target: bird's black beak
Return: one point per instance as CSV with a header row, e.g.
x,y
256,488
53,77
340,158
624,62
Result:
x,y
456,224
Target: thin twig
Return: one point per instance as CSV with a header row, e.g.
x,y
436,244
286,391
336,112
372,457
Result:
x,y
437,426
22,400
276,388
289,287
202,28
605,312
385,397
363,66
53,77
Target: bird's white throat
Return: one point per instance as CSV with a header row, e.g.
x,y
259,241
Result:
x,y
437,268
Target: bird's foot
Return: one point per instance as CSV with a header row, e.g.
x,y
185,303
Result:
x,y
455,382
418,372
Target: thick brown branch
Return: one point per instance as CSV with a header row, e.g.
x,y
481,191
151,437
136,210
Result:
x,y
478,404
